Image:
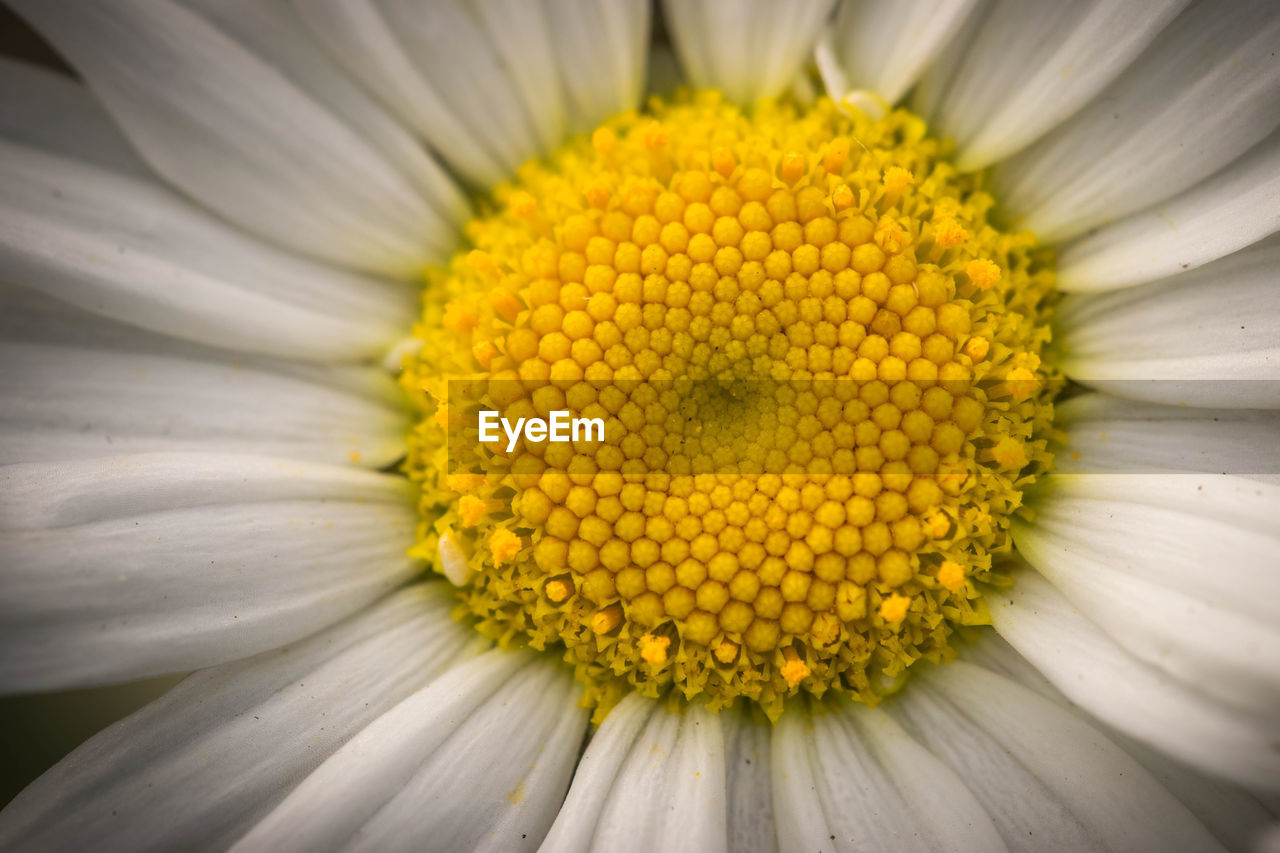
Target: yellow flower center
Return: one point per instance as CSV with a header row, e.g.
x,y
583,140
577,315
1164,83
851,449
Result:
x,y
817,367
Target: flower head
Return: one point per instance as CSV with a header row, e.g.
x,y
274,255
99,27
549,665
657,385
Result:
x,y
933,502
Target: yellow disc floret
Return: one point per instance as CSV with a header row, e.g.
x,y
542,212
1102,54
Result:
x,y
817,370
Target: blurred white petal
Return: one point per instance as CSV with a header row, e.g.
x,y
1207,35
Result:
x,y
479,760
64,402
651,779
1207,91
126,567
131,249
1111,434
492,84
201,765
1048,780
1029,66
1097,674
1209,338
749,49
855,780
1228,210
1232,814
235,133
885,45
357,35
602,50
274,32
748,783
52,112
1160,561
521,36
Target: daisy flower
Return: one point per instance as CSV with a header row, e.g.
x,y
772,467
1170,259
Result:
x,y
933,347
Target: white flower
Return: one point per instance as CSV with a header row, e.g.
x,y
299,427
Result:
x,y
206,252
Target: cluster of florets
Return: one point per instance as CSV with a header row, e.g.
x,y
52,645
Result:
x,y
817,366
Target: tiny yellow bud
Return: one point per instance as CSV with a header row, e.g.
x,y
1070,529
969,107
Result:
x,y
842,197
723,161
949,233
606,619
938,525
1022,383
894,608
470,510
597,194
503,545
604,140
727,651
977,348
481,261
896,180
793,167
982,272
951,575
653,649
837,153
1010,454
523,205
794,670
558,591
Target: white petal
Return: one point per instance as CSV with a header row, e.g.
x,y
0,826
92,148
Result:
x,y
227,128
748,48
195,769
1268,841
1210,338
28,316
1097,674
125,567
711,44
64,402
54,113
885,45
800,815
651,779
47,496
474,762
130,249
490,85
947,63
1207,91
748,783
1134,552
129,566
868,786
275,33
499,781
1270,800
1225,212
1233,815
521,35
601,48
992,652
446,43
359,37
1048,780
1105,434
1029,66
593,780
